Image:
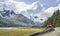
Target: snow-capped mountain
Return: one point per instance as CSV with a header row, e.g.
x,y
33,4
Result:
x,y
20,12
18,19
6,13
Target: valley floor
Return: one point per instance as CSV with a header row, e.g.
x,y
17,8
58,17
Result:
x,y
18,31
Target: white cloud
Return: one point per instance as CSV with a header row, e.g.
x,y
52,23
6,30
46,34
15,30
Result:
x,y
41,4
51,10
1,6
46,13
19,6
58,0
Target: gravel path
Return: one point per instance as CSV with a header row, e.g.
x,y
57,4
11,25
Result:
x,y
53,33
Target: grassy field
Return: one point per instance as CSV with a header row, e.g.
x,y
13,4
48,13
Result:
x,y
18,31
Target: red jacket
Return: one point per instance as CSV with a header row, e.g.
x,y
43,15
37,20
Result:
x,y
49,24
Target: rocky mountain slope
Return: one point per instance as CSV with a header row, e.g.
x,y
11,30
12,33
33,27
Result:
x,y
18,19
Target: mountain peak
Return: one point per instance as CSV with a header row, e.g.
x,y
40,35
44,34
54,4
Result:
x,y
7,13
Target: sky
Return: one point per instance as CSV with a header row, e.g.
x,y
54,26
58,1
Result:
x,y
30,8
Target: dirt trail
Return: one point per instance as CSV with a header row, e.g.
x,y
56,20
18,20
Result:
x,y
53,33
56,32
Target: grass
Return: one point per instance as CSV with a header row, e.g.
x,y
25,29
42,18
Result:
x,y
18,31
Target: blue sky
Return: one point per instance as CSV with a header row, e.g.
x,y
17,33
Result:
x,y
46,3
40,8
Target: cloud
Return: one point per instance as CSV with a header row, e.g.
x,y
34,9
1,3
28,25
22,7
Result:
x,y
51,10
45,13
19,6
58,0
23,7
38,9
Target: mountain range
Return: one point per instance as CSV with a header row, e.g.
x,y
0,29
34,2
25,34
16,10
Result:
x,y
9,18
